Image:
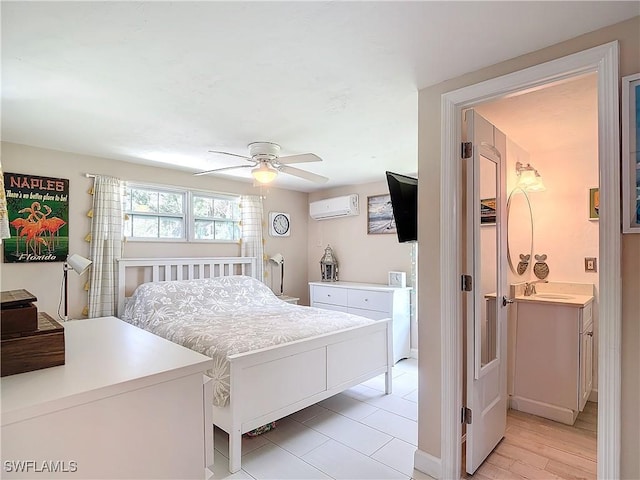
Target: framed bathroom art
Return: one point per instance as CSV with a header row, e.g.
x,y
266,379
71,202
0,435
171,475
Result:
x,y
631,154
487,211
594,203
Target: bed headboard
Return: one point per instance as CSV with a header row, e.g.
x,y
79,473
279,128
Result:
x,y
135,271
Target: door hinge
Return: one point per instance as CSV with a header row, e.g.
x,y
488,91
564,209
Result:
x,y
466,416
467,149
466,284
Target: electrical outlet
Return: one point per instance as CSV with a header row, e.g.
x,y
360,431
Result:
x,y
590,264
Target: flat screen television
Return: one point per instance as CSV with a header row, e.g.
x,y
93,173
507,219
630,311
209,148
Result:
x,y
404,202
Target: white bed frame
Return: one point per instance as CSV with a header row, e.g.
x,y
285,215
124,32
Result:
x,y
271,383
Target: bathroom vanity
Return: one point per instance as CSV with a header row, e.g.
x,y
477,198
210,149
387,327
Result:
x,y
553,373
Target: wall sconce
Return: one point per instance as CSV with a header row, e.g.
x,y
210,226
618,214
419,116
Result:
x,y
264,173
529,179
278,259
329,266
79,265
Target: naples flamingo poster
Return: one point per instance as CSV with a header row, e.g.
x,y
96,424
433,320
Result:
x,y
38,209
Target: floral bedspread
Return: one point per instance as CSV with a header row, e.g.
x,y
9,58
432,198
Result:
x,y
223,316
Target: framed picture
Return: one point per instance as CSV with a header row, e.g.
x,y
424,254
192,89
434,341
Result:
x,y
38,209
630,154
594,203
488,211
380,215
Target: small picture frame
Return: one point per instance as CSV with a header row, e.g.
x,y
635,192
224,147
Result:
x,y
594,203
397,279
488,211
380,215
631,153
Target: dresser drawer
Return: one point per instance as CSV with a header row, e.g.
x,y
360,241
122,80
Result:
x,y
371,314
370,300
330,306
335,296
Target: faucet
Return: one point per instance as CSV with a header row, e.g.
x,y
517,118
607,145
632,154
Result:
x,y
530,287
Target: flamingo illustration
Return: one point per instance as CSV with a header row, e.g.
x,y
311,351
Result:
x,y
34,226
32,231
18,224
53,225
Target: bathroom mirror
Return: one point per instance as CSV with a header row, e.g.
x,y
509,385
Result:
x,y
519,232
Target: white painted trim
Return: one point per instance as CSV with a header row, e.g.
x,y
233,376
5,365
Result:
x,y
428,464
602,60
593,396
546,410
450,271
413,353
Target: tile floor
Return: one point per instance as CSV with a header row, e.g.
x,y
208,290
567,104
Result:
x,y
358,434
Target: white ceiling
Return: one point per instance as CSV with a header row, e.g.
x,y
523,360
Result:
x,y
163,82
551,119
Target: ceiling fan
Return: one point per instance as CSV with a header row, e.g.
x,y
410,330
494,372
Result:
x,y
266,163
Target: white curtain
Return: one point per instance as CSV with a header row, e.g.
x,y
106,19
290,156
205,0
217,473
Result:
x,y
106,245
252,244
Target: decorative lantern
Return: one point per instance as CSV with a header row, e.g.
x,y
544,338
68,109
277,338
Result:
x,y
329,266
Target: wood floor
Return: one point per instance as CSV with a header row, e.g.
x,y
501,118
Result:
x,y
537,448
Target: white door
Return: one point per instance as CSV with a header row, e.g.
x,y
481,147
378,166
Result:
x,y
486,257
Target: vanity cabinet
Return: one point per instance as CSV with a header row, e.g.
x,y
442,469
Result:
x,y
372,301
586,357
553,358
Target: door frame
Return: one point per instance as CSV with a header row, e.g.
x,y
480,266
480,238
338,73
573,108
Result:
x,y
602,60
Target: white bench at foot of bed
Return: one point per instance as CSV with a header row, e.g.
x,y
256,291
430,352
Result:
x,y
269,384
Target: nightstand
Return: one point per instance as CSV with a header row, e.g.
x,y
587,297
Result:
x,y
288,299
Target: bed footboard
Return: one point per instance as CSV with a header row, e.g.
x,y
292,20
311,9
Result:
x,y
268,384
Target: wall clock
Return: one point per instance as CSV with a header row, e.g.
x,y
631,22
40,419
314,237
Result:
x,y
279,224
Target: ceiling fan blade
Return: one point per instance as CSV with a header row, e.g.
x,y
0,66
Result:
x,y
303,174
206,172
229,153
302,158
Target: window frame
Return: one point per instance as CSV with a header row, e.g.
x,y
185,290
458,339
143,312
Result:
x,y
192,219
188,216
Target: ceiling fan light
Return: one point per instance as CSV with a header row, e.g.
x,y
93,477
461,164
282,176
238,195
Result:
x,y
264,173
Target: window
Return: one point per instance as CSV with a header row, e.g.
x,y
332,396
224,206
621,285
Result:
x,y
157,213
215,217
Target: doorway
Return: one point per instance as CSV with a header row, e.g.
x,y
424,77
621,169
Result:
x,y
553,129
602,61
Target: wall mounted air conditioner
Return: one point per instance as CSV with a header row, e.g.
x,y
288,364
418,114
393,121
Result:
x,y
336,207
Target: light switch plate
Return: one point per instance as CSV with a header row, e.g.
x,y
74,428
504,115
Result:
x,y
590,264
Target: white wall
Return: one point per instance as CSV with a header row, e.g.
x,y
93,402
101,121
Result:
x,y
44,279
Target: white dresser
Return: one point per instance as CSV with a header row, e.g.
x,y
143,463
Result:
x,y
370,300
126,404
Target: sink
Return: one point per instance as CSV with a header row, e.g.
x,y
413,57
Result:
x,y
553,296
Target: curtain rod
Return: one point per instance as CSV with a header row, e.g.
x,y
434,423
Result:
x,y
90,175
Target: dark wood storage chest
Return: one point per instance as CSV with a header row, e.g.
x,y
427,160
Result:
x,y
17,312
27,351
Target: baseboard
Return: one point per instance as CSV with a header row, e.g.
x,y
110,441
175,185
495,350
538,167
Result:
x,y
413,353
546,410
428,464
593,396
